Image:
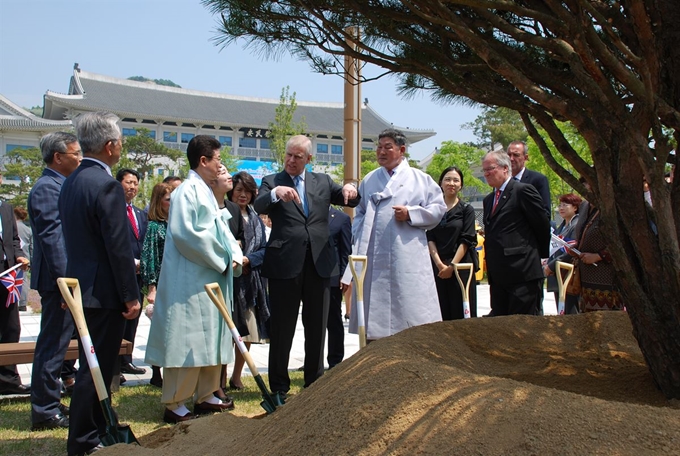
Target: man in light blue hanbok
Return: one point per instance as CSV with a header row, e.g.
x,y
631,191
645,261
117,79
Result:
x,y
188,336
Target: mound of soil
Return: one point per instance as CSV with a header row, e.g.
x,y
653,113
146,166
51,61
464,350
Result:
x,y
488,386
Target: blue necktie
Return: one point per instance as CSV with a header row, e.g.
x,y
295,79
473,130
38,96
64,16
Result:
x,y
300,187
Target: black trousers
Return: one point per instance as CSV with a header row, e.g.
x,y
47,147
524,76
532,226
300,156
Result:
x,y
522,298
131,327
56,329
285,296
10,330
451,296
87,420
336,328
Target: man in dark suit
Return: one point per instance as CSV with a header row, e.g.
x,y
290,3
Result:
x,y
61,154
96,234
517,151
299,259
10,326
340,231
517,237
139,220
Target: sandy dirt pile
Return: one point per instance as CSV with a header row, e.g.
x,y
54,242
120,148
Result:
x,y
487,386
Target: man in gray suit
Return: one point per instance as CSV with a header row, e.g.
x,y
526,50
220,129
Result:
x,y
61,154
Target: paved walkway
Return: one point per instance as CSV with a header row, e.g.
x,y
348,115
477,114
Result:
x,y
30,327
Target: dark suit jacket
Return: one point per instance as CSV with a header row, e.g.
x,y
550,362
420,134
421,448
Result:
x,y
540,182
49,251
11,245
96,232
340,232
236,222
517,234
284,256
143,222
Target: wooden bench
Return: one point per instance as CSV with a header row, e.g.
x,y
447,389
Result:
x,y
22,352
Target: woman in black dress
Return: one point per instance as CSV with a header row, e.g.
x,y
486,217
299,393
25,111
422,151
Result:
x,y
453,241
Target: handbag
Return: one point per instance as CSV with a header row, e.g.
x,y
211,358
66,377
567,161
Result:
x,y
574,286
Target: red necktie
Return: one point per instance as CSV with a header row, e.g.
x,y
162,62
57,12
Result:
x,y
133,222
495,201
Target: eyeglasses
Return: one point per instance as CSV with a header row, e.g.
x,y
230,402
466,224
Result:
x,y
564,205
71,153
490,169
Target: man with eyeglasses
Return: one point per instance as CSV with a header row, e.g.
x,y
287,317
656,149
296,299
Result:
x,y
400,204
98,252
61,154
517,237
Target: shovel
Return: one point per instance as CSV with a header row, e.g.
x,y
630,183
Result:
x,y
115,432
271,401
359,279
562,284
465,288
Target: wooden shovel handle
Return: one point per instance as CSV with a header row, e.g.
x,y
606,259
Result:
x,y
215,293
75,304
562,283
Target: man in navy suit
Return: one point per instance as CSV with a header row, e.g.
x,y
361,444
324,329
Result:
x,y
98,252
517,151
340,233
129,180
517,237
61,154
299,259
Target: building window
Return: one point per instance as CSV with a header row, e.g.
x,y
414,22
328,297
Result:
x,y
186,137
159,171
151,134
170,136
129,132
225,140
247,142
322,148
336,149
264,144
11,147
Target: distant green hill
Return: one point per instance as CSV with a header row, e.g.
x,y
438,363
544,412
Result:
x,y
163,82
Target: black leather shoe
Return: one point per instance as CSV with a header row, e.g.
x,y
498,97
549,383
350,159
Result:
x,y
57,421
15,389
122,379
171,417
132,369
204,408
157,382
64,409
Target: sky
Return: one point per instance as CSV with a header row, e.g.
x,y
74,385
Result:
x,y
40,40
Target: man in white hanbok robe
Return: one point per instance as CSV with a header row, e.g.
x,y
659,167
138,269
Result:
x,y
399,204
188,336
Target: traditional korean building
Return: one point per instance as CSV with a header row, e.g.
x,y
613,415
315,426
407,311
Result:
x,y
175,115
20,128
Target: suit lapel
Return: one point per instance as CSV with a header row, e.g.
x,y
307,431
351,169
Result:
x,y
505,196
310,183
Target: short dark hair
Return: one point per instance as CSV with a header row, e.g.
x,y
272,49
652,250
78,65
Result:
x,y
120,175
396,135
20,212
201,146
247,181
170,179
448,170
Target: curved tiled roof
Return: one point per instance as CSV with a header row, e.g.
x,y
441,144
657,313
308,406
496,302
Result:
x,y
16,118
89,92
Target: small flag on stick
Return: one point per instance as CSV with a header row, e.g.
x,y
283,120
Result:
x,y
13,281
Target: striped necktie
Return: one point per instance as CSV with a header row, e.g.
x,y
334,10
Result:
x,y
495,201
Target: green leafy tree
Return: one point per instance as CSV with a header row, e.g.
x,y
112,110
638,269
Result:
x,y
23,166
497,125
608,67
465,157
284,126
142,153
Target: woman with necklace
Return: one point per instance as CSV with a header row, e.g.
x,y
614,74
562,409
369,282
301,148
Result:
x,y
453,241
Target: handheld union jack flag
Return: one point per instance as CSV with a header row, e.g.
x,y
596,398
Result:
x,y
13,281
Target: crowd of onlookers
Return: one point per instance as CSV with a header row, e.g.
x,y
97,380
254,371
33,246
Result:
x,y
269,249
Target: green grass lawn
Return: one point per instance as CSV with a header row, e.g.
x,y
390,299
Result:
x,y
138,406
